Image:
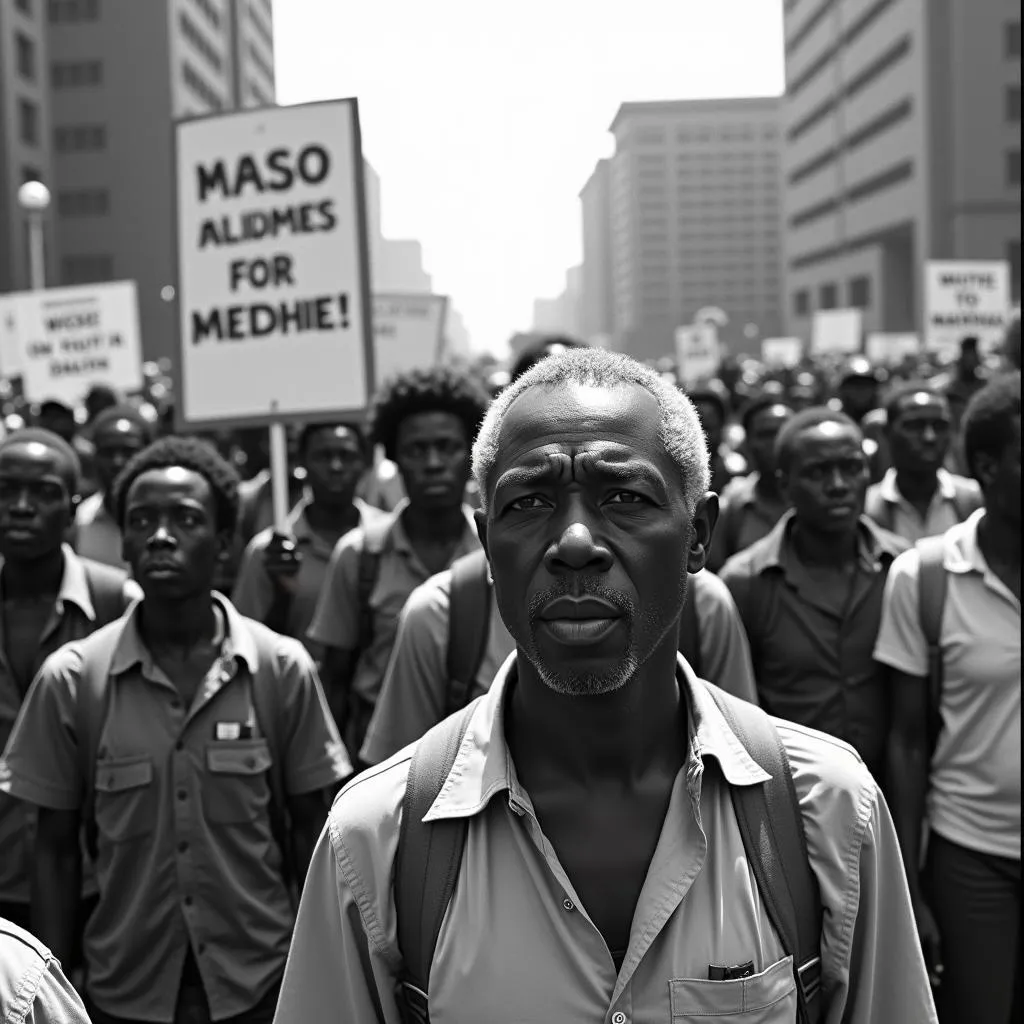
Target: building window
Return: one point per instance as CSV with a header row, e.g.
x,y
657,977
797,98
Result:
x,y
802,303
263,30
828,296
200,87
1013,167
1013,103
26,57
210,11
199,42
28,121
71,74
84,202
86,269
1011,37
860,292
261,62
80,138
74,10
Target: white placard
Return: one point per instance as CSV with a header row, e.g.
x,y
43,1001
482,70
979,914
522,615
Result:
x,y
965,299
888,348
272,265
698,353
836,331
785,352
408,333
65,340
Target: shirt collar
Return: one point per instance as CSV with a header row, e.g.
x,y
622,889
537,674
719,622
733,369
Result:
x,y
74,585
398,539
239,643
962,554
890,492
483,766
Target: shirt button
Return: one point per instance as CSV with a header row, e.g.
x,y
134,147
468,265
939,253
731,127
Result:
x,y
567,904
188,901
618,1017
182,794
182,847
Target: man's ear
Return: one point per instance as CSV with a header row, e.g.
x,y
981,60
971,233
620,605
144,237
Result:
x,y
984,469
705,516
480,517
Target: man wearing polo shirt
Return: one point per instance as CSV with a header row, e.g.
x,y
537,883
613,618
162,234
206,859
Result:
x,y
810,593
968,789
917,497
195,911
281,576
426,421
604,875
49,598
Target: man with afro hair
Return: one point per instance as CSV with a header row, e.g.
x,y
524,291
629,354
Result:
x,y
425,421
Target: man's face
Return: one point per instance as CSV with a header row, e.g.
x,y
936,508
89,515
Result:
x,y
711,420
588,535
764,428
1000,479
858,395
334,463
920,436
170,533
36,501
432,454
827,478
116,442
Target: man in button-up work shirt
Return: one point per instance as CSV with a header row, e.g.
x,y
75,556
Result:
x,y
50,596
195,912
426,421
810,593
604,870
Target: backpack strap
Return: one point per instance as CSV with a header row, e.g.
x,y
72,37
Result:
x,y
375,535
689,629
776,846
427,862
931,601
106,590
92,702
469,620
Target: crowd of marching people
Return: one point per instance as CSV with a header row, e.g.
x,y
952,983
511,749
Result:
x,y
185,687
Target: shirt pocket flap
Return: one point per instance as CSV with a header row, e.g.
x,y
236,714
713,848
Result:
x,y
692,997
123,773
238,757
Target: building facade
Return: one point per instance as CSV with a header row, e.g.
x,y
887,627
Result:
x,y
694,214
597,300
901,125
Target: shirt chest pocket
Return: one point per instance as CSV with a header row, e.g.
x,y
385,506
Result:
x,y
235,788
125,798
765,998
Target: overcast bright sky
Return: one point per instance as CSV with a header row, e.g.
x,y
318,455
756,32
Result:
x,y
484,120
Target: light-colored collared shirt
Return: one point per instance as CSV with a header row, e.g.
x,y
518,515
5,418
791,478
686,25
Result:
x,y
974,793
254,590
518,944
73,617
33,989
186,851
338,617
954,499
412,698
97,535
814,665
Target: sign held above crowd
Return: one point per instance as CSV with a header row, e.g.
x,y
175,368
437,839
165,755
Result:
x,y
966,299
274,295
408,332
698,352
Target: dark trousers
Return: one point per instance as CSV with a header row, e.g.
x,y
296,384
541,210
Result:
x,y
192,1006
975,898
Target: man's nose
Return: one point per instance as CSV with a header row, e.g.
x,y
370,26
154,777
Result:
x,y
576,550
837,480
929,434
23,503
161,536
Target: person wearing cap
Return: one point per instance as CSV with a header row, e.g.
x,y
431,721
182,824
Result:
x,y
118,433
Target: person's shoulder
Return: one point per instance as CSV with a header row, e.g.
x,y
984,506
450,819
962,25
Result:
x,y
888,544
19,946
710,588
286,652
23,963
746,564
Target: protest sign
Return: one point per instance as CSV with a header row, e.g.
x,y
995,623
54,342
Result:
x,y
273,288
891,349
408,333
65,340
836,331
966,299
785,352
698,353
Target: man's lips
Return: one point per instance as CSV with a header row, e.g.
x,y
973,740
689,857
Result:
x,y
578,608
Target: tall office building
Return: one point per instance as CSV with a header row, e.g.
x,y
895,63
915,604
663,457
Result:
x,y
25,136
901,127
597,301
119,72
694,195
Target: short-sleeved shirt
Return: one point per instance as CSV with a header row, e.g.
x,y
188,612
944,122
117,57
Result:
x,y
814,666
943,511
33,989
97,535
745,518
253,595
518,944
186,852
975,786
338,619
72,618
412,698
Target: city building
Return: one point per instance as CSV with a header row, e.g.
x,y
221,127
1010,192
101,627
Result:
x,y
597,300
694,198
25,133
901,125
563,313
397,266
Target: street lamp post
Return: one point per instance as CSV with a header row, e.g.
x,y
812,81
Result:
x,y
34,199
